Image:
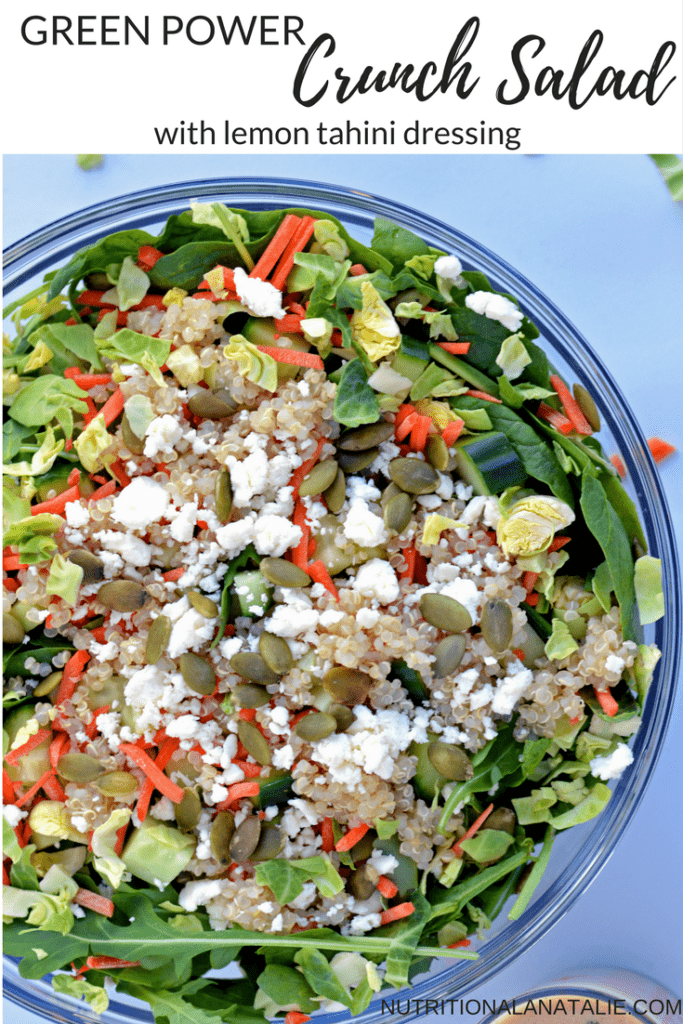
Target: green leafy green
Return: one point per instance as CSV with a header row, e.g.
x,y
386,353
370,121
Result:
x,y
128,346
487,845
47,398
33,537
78,339
397,244
608,529
320,976
649,592
79,988
588,808
355,402
64,579
671,169
500,757
535,876
286,986
249,554
560,644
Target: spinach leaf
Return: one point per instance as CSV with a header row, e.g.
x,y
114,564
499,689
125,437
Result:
x,y
624,506
477,281
355,402
397,244
608,529
535,876
285,985
186,266
485,337
13,436
62,338
538,459
500,757
112,249
15,662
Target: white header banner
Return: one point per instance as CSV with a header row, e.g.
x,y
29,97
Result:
x,y
441,77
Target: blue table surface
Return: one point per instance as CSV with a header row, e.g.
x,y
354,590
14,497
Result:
x,y
602,237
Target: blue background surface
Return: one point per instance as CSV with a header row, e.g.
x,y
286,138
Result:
x,y
602,238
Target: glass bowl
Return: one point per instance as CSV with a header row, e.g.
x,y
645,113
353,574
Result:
x,y
583,850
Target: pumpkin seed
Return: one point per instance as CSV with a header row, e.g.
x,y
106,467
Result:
x,y
347,685
117,784
131,440
343,716
122,595
360,884
12,630
249,695
252,666
223,495
79,768
282,573
254,742
209,406
369,436
92,566
356,462
448,655
451,762
445,613
397,512
319,479
95,623
222,831
587,406
335,495
414,476
276,653
188,811
503,819
271,842
203,604
388,493
157,638
224,395
315,726
496,624
245,839
437,452
364,847
198,673
48,684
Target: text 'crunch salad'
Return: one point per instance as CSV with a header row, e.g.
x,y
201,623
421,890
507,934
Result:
x,y
322,610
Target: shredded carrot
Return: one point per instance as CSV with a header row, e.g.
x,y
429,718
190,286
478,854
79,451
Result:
x,y
153,773
574,720
238,791
419,433
73,670
91,727
659,449
93,901
11,563
606,701
410,555
91,297
119,471
396,913
532,599
406,425
303,470
296,244
58,747
292,356
148,256
105,491
518,653
474,827
318,572
327,835
351,837
529,580
107,963
73,477
456,348
403,411
88,380
456,945
295,1017
53,789
250,770
386,887
92,409
12,757
483,395
554,418
618,464
168,747
7,788
570,406
56,505
558,542
290,323
276,246
5,876
357,270
10,584
173,574
113,407
30,793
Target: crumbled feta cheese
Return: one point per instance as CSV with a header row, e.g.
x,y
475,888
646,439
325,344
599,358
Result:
x,y
142,502
260,297
363,526
511,687
248,477
377,580
367,617
132,549
613,663
611,766
234,537
182,526
161,437
383,863
283,757
372,743
273,535
462,491
277,924
446,486
294,617
13,815
496,307
76,513
472,513
189,632
449,268
183,727
364,923
198,894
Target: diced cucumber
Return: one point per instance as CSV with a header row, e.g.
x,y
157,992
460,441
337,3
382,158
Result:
x,y
254,592
262,331
276,789
462,369
489,463
411,359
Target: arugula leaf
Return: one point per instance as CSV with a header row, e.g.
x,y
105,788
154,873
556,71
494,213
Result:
x,y
608,529
671,169
285,985
320,976
355,402
249,554
170,1006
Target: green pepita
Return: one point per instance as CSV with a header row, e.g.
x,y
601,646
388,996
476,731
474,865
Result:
x,y
276,653
388,493
249,695
157,638
368,436
254,742
251,665
95,623
448,654
245,839
92,566
450,761
347,685
282,573
133,443
496,624
209,406
270,844
188,811
319,479
445,613
79,768
198,673
343,716
397,512
356,462
335,495
117,784
223,495
414,476
48,684
587,406
364,847
315,726
437,452
503,819
203,604
122,595
361,886
12,630
222,831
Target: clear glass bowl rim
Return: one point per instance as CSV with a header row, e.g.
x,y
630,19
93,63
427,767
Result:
x,y
55,244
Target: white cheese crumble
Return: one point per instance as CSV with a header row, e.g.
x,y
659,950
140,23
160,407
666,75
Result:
x,y
132,549
161,436
496,307
449,269
371,744
142,502
198,894
13,815
274,535
76,513
260,297
377,580
611,766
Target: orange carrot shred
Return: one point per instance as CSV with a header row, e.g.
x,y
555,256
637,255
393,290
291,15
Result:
x,y
558,542
571,406
351,837
53,789
396,913
30,793
419,433
56,505
238,791
58,747
474,827
89,380
403,411
529,580
119,471
532,599
357,270
518,653
318,572
11,563
386,887
484,395
327,835
73,670
303,470
606,701
295,1017
292,356
105,491
296,244
276,246
250,770
153,773
618,464
173,574
410,555
93,901
452,431
462,942
406,425
12,757
148,256
456,348
659,449
554,418
113,407
7,788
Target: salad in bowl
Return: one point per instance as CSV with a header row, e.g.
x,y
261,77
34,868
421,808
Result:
x,y
322,619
